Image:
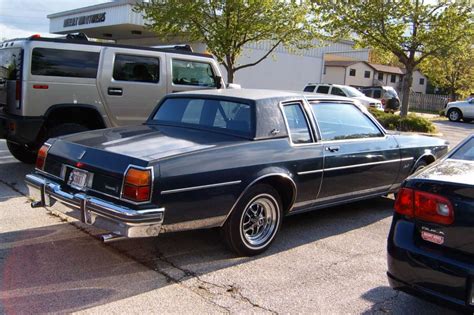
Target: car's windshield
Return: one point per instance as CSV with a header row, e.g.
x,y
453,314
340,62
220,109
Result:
x,y
465,151
220,115
352,92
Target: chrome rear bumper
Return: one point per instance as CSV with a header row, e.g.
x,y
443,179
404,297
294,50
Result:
x,y
94,211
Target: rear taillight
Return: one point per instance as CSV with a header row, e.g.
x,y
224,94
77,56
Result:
x,y
424,206
137,184
42,154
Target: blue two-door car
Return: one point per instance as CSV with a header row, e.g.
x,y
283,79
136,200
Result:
x,y
236,159
431,240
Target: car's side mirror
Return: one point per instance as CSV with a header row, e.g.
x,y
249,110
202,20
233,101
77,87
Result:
x,y
218,81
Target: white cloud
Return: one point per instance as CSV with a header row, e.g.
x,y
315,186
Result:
x,y
9,32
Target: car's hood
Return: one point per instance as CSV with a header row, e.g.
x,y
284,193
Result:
x,y
147,142
449,170
457,103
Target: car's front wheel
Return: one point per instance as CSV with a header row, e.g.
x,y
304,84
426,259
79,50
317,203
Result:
x,y
454,114
255,221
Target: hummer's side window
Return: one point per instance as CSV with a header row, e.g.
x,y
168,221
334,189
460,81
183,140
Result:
x,y
64,63
136,68
194,73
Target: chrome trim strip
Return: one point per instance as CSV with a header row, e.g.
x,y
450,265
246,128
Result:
x,y
354,193
178,190
353,166
310,172
360,165
286,176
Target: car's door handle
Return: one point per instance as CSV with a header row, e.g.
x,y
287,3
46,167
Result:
x,y
333,148
115,91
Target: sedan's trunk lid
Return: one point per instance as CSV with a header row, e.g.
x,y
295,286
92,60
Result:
x,y
453,179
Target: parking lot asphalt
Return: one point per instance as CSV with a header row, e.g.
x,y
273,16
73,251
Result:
x,y
330,261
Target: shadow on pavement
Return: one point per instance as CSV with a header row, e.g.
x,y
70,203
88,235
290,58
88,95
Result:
x,y
60,269
386,300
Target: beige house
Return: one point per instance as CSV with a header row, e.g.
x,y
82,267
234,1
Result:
x,y
362,74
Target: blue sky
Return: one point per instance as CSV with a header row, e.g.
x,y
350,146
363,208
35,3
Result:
x,y
20,18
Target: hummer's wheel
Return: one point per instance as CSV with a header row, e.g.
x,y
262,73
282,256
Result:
x,y
255,221
22,153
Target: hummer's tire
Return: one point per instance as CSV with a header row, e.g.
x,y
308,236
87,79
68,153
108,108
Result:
x,y
22,153
65,129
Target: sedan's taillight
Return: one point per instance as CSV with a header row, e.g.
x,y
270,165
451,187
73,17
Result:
x,y
137,185
424,206
42,154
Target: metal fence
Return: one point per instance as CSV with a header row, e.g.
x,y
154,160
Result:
x,y
427,102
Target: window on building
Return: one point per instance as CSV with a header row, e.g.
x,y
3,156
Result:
x,y
64,63
422,81
297,123
393,78
187,72
352,72
380,76
366,74
136,68
324,89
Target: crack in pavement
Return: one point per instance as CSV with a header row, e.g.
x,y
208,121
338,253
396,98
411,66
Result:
x,y
226,290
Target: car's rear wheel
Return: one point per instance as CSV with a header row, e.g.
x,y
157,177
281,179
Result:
x,y
454,114
22,153
255,221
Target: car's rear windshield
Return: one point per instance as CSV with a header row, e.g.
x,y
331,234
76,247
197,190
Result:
x,y
211,114
465,151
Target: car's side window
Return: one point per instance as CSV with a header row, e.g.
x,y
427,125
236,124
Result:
x,y
136,68
338,121
337,91
309,88
297,123
64,63
324,89
194,73
377,94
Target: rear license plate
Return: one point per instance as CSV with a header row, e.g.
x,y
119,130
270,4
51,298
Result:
x,y
78,179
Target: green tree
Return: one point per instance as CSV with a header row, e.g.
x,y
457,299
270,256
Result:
x,y
226,26
412,30
383,57
453,72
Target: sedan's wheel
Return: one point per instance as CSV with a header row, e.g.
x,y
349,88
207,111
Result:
x,y
253,224
454,115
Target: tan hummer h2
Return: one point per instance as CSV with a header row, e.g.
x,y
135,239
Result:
x,y
52,87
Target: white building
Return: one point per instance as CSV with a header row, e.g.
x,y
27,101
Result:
x,y
282,70
363,74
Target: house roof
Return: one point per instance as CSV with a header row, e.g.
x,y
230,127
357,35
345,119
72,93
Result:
x,y
384,68
342,63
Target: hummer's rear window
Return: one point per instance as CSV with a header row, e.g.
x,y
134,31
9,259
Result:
x,y
64,63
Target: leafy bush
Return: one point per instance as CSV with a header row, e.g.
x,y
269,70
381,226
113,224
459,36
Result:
x,y
411,122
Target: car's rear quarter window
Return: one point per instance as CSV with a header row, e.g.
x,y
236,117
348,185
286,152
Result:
x,y
64,63
465,151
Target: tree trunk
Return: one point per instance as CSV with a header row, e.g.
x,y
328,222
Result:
x,y
230,75
406,86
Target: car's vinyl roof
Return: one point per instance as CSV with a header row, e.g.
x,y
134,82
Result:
x,y
260,94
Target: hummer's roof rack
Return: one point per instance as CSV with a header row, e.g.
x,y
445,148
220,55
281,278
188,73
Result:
x,y
184,47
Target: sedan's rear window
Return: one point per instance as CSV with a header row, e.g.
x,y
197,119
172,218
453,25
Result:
x,y
220,115
465,151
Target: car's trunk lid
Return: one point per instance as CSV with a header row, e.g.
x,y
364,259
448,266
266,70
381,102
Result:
x,y
454,180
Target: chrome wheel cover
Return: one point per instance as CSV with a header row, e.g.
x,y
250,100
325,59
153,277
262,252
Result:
x,y
259,221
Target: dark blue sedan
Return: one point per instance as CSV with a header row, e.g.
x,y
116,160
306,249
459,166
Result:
x,y
236,159
431,241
